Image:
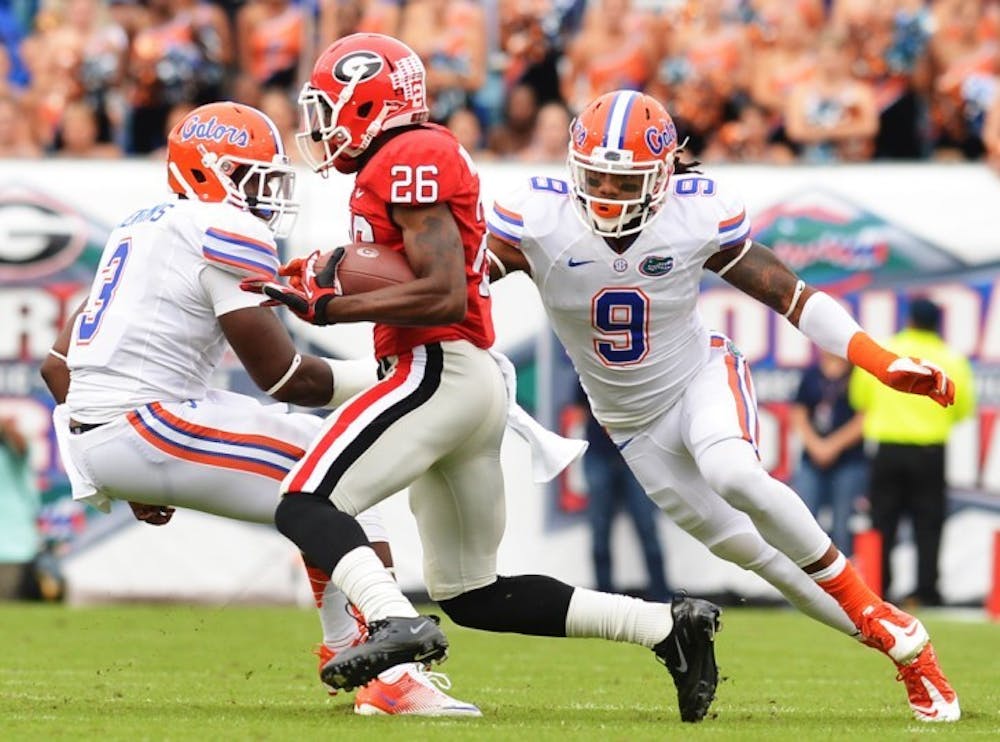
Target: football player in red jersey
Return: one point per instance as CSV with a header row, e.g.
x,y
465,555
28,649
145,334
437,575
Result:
x,y
435,421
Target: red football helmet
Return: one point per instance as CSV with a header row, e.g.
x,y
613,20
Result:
x,y
628,135
362,85
233,153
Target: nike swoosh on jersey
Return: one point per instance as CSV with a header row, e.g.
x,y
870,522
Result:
x,y
359,193
574,263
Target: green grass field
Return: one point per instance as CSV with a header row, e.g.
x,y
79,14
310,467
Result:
x,y
195,673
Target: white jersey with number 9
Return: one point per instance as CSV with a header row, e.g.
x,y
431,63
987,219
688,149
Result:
x,y
628,320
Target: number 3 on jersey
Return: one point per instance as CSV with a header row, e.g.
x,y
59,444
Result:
x,y
621,318
111,274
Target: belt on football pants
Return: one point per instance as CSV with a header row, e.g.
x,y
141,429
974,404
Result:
x,y
76,428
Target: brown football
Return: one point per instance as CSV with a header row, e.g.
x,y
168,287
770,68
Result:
x,y
367,266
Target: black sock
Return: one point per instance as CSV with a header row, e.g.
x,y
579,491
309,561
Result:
x,y
322,533
526,604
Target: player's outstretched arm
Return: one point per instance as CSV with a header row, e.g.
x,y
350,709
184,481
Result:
x,y
504,258
756,270
268,354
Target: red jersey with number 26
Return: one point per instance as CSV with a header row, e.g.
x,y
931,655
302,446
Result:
x,y
421,167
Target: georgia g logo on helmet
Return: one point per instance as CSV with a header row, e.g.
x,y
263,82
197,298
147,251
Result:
x,y
368,63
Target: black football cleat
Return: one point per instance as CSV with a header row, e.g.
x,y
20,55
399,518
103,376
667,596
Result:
x,y
689,654
391,642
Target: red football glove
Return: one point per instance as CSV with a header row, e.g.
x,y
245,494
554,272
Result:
x,y
911,375
292,270
303,272
307,292
917,376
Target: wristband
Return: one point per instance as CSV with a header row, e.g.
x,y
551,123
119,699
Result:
x,y
800,286
292,368
319,310
497,262
739,256
57,354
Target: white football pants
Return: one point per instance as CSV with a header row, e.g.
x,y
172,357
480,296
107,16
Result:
x,y
225,455
434,423
699,463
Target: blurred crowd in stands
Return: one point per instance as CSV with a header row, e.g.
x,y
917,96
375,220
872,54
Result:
x,y
769,81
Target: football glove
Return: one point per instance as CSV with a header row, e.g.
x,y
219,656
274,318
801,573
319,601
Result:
x,y
155,515
308,292
918,376
911,375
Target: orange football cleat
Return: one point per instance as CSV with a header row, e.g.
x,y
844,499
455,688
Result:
x,y
325,654
905,640
931,696
890,630
416,691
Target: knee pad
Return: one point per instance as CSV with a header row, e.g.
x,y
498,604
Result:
x,y
742,481
322,533
526,604
294,507
467,609
748,550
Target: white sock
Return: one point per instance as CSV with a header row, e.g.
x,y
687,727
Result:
x,y
366,583
340,629
838,565
618,618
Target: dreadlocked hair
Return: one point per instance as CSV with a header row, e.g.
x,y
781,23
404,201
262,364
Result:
x,y
680,168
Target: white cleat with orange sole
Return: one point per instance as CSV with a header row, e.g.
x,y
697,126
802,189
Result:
x,y
412,690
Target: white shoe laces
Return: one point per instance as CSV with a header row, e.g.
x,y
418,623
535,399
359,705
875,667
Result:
x,y
429,677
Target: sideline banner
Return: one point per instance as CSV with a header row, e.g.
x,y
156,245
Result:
x,y
870,234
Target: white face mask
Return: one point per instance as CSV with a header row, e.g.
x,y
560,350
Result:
x,y
266,189
625,213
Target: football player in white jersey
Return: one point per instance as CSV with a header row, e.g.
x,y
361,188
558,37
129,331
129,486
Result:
x,y
617,253
140,421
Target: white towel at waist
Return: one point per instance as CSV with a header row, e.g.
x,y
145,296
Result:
x,y
550,452
82,488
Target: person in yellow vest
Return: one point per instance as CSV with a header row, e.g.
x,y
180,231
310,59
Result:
x,y
907,473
